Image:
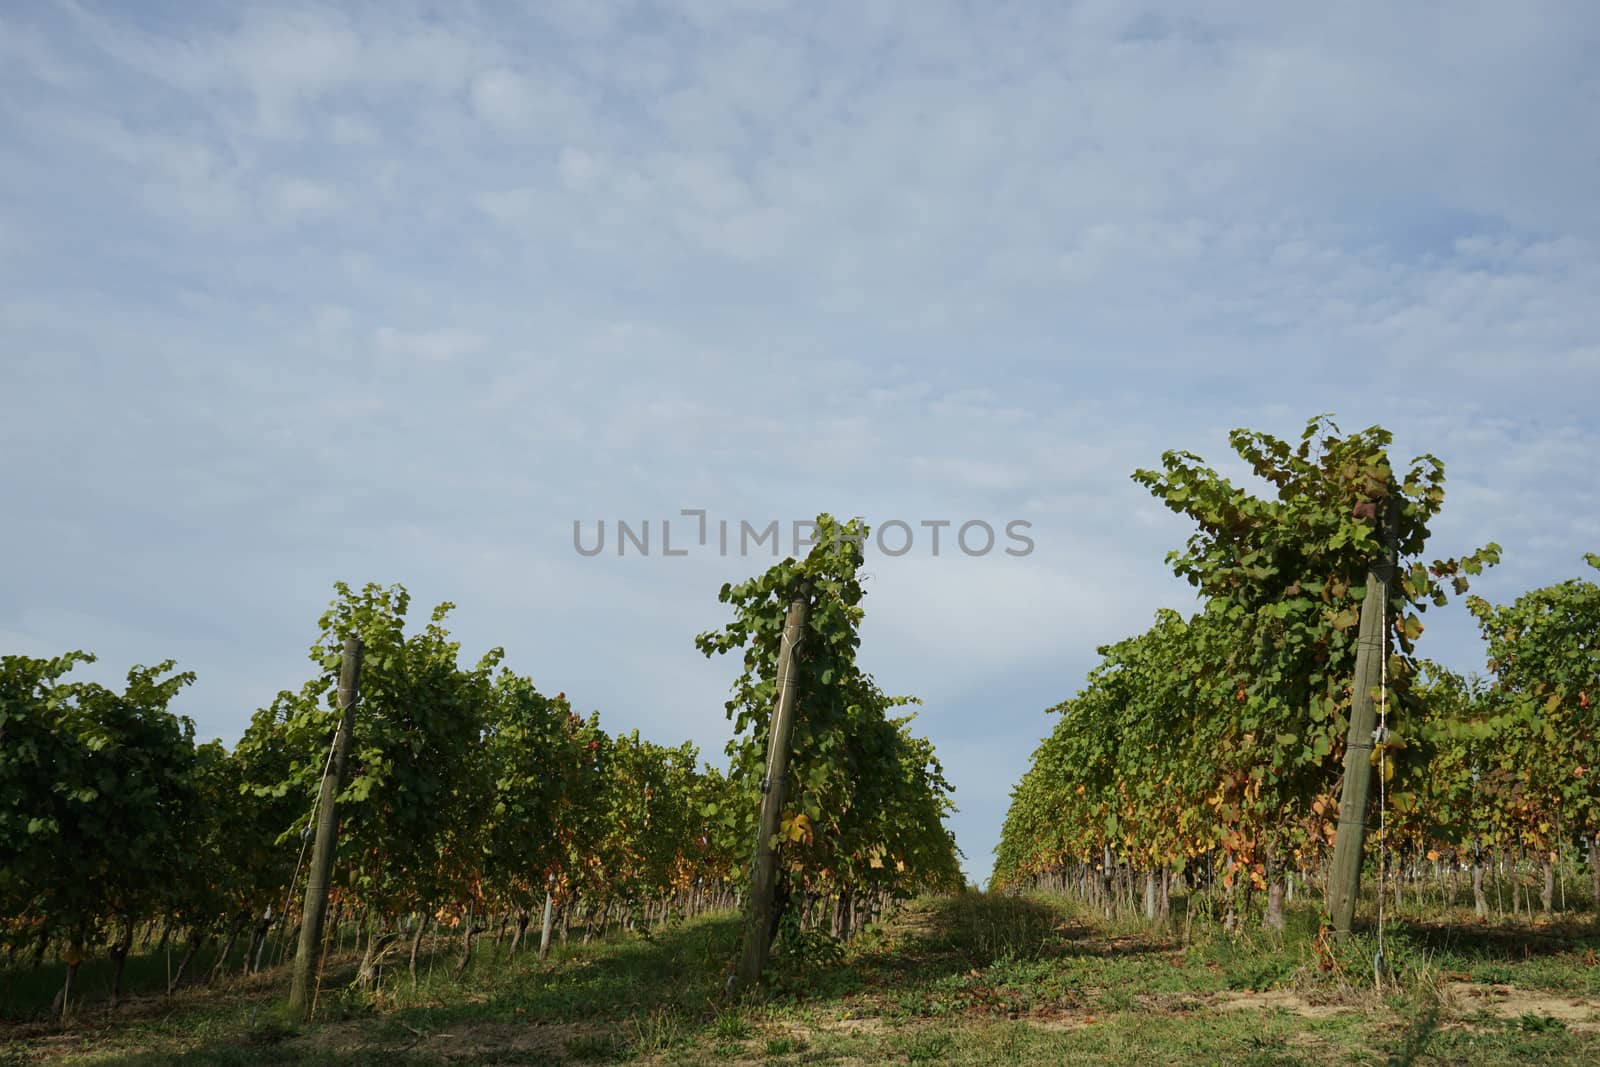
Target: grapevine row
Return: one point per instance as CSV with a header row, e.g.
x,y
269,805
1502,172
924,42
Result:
x,y
472,798
1210,749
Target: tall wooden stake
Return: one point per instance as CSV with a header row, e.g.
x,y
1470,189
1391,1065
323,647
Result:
x,y
549,919
1344,879
316,905
763,875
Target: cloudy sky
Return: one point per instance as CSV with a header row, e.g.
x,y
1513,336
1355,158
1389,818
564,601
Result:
x,y
297,294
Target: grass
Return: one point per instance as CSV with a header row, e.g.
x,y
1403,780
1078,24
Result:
x,y
973,979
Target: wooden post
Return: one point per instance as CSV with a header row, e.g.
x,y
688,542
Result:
x,y
549,915
1344,880
316,905
758,928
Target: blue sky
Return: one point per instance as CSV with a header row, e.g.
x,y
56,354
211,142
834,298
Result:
x,y
297,294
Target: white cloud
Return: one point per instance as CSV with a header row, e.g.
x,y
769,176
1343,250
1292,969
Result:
x,y
291,57
27,48
431,345
286,61
583,19
174,175
579,170
297,200
332,322
503,98
510,206
352,129
523,103
13,242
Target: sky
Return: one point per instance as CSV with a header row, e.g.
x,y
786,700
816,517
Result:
x,y
387,292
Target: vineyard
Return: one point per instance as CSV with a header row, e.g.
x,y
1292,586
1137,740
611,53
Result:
x,y
471,799
1213,747
415,840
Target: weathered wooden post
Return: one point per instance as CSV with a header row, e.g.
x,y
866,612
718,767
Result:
x,y
316,905
549,916
763,875
1344,880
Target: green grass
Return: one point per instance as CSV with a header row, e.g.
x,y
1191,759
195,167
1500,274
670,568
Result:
x,y
972,979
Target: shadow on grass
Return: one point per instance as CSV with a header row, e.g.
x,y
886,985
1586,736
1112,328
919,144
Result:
x,y
978,929
1417,1037
26,993
594,1003
624,997
933,941
1504,944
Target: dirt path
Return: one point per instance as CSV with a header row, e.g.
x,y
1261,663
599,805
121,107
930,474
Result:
x,y
1507,1002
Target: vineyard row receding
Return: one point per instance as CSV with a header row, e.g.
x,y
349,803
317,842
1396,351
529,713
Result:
x,y
1214,751
472,802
